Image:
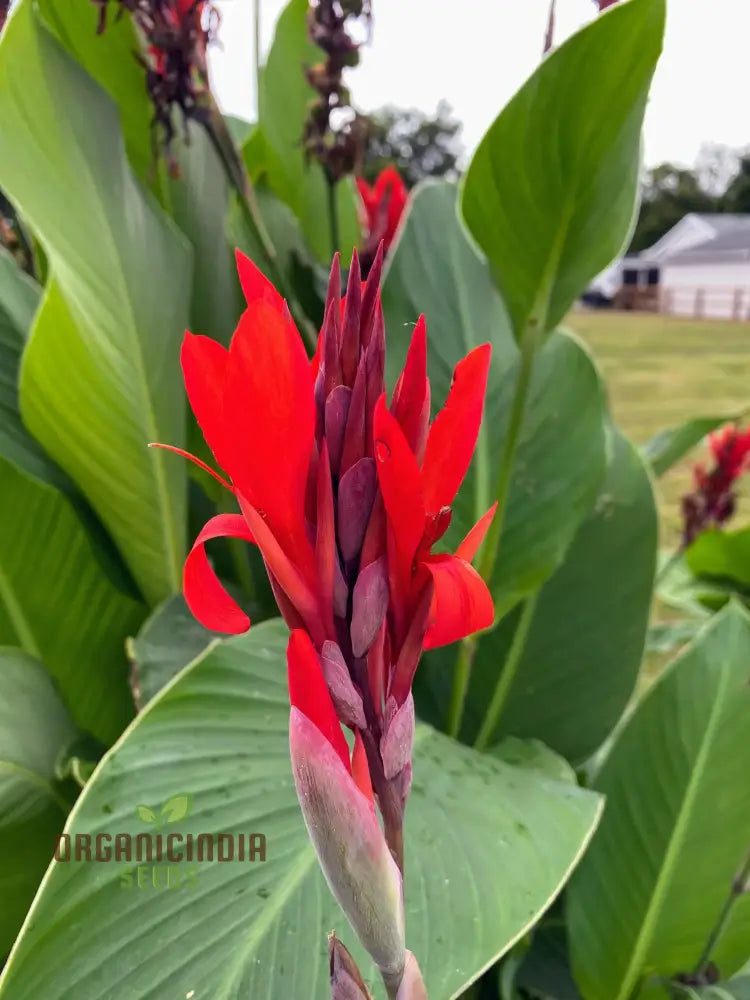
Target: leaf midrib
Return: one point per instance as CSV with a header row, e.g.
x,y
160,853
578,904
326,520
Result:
x,y
17,617
671,856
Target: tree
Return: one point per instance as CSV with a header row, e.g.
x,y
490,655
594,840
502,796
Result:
x,y
420,145
737,195
669,193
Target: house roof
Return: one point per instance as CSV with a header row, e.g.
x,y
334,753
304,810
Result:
x,y
713,237
731,242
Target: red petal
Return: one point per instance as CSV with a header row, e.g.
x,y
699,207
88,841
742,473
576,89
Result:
x,y
411,397
399,478
454,431
204,594
474,538
462,604
204,367
270,409
285,571
398,475
309,693
360,767
255,285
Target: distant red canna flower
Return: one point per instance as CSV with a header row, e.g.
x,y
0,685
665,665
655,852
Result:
x,y
384,204
713,501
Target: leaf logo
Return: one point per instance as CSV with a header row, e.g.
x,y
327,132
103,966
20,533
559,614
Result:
x,y
174,809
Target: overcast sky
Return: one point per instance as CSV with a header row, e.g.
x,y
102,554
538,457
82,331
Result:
x,y
476,53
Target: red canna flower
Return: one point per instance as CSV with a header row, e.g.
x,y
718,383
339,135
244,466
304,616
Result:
x,y
384,204
345,498
713,501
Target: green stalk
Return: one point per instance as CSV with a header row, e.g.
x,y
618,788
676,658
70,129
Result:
x,y
508,674
333,214
491,547
736,892
234,167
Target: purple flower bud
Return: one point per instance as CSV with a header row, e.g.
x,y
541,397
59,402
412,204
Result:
x,y
398,739
346,980
355,859
340,591
331,331
346,698
350,325
356,424
356,496
336,413
369,605
371,299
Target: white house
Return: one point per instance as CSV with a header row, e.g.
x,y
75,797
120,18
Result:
x,y
701,267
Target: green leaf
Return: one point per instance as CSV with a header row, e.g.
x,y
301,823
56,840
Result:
x,y
679,588
583,651
723,555
285,97
545,972
110,59
669,446
34,729
176,808
665,637
550,193
146,814
199,204
652,886
536,756
488,847
170,639
100,378
561,454
58,595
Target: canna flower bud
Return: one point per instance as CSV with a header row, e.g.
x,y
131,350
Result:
x,y
412,985
337,804
346,981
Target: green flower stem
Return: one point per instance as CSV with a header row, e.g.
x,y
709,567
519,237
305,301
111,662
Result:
x,y
333,214
507,676
491,547
735,893
234,167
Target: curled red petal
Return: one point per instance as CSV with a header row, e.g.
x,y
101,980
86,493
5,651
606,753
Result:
x,y
461,604
453,434
194,459
475,536
309,693
204,368
204,594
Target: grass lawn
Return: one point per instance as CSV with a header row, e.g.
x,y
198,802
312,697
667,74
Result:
x,y
661,370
